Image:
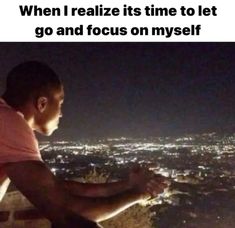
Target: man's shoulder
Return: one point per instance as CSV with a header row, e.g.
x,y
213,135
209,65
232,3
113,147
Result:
x,y
14,130
17,139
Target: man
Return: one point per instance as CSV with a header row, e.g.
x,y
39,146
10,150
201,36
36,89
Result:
x,y
32,102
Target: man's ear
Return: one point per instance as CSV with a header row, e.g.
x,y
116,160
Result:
x,y
41,104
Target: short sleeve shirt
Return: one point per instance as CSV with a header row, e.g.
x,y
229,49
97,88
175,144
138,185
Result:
x,y
17,139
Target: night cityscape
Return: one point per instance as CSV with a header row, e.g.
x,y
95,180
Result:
x,y
165,105
200,168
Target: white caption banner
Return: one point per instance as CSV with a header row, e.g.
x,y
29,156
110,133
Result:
x,y
138,20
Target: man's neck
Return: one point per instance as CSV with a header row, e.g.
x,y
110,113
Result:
x,y
25,112
27,115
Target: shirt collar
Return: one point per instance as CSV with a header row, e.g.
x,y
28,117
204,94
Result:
x,y
2,101
5,103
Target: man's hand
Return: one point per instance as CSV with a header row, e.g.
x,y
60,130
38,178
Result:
x,y
146,182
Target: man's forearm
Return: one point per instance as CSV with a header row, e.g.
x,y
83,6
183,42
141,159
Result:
x,y
102,208
96,190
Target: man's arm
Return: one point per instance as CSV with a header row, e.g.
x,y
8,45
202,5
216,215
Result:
x,y
97,189
40,186
47,193
136,178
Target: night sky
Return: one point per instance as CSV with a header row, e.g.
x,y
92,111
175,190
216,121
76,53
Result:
x,y
136,89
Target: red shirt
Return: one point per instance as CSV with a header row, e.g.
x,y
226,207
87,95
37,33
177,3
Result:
x,y
17,140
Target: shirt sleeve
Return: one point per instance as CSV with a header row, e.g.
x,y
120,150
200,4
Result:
x,y
17,139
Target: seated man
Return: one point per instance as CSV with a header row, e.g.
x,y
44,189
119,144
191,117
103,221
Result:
x,y
32,102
